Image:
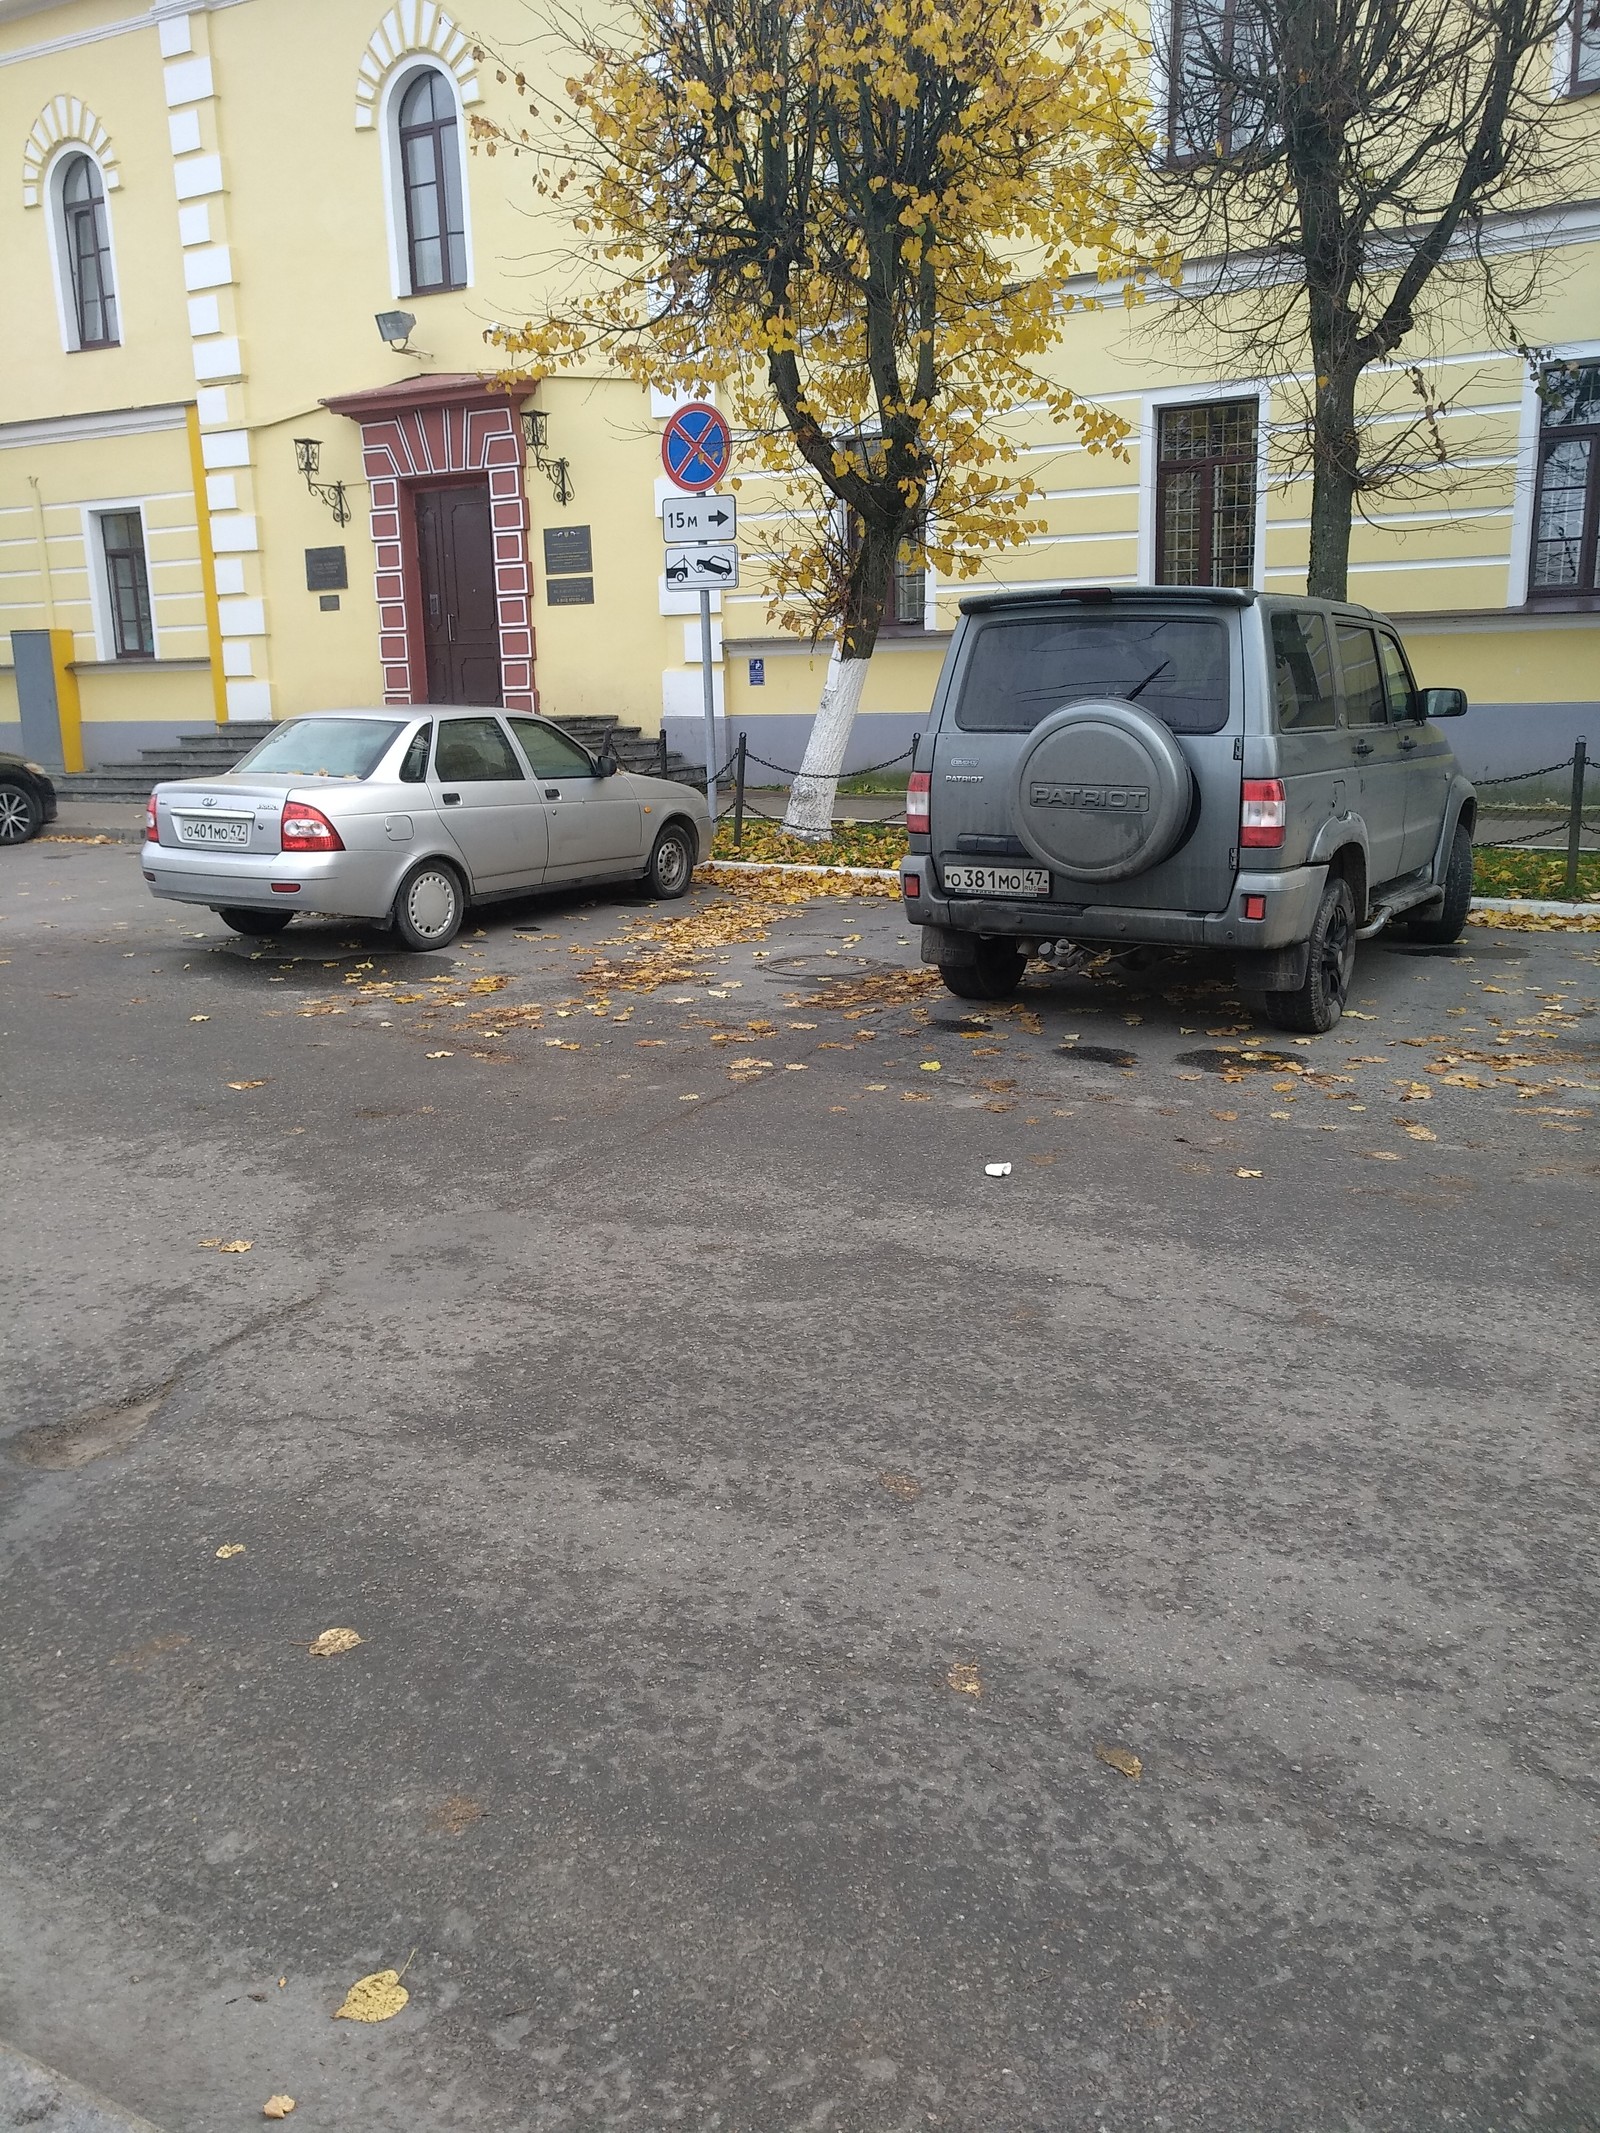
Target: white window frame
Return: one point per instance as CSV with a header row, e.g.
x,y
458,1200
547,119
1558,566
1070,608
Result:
x,y
1528,435
399,81
52,180
1194,396
94,556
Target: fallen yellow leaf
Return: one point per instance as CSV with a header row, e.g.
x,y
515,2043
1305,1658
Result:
x,y
438,1055
932,1066
1248,1173
332,1642
376,1998
199,1018
239,1244
229,1549
965,1679
277,2107
1122,1759
1420,1133
1386,1155
488,984
246,1084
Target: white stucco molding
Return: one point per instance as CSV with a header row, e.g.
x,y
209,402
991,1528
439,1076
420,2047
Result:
x,y
65,120
409,29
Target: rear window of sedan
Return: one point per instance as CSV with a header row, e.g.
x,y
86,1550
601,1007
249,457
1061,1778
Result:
x,y
324,748
1019,671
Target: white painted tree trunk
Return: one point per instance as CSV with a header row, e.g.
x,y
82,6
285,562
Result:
x,y
811,796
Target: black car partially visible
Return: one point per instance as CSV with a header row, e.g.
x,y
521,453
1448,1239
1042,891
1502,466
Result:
x,y
27,799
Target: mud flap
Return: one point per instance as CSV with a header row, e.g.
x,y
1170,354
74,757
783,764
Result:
x,y
1272,969
941,944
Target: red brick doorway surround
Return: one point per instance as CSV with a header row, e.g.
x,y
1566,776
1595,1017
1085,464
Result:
x,y
421,433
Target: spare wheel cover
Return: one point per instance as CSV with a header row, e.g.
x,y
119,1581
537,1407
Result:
x,y
1102,790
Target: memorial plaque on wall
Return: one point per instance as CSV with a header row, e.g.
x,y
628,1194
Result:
x,y
569,592
326,571
568,551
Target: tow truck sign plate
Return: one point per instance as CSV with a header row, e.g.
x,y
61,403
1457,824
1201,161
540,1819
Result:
x,y
704,569
699,518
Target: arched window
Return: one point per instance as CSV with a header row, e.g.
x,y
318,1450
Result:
x,y
430,170
87,246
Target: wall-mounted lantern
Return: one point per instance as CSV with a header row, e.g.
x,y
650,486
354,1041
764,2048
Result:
x,y
308,458
536,435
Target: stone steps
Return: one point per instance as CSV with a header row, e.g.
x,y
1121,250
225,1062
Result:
x,y
204,754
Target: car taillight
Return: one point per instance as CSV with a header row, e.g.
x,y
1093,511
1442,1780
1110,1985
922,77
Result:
x,y
152,827
917,800
307,829
1263,813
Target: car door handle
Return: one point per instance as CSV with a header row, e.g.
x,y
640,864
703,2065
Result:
x,y
451,799
1362,748
552,792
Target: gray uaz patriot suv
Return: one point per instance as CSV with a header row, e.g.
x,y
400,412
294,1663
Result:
x,y
1184,767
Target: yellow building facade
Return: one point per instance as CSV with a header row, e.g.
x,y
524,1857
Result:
x,y
252,461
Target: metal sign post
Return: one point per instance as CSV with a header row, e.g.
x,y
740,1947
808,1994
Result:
x,y
696,450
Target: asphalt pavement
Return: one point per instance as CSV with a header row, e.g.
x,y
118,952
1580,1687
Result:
x,y
847,1641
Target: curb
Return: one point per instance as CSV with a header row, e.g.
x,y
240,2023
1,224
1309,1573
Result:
x,y
793,866
1540,907
43,2101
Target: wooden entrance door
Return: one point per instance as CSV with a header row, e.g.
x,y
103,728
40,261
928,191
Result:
x,y
460,621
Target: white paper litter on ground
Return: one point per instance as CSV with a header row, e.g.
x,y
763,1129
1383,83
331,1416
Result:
x,y
997,1170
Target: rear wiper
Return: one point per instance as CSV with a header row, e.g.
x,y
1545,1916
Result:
x,y
1150,677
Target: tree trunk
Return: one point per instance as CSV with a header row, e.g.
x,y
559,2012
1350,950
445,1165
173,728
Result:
x,y
816,786
1334,467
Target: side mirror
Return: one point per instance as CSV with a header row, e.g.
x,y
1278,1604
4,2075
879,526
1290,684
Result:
x,y
606,766
1444,703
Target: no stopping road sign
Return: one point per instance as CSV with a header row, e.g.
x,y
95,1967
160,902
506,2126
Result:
x,y
696,448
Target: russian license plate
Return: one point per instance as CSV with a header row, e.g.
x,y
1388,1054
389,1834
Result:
x,y
213,829
998,881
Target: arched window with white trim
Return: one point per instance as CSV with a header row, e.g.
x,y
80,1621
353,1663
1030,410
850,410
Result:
x,y
428,145
84,236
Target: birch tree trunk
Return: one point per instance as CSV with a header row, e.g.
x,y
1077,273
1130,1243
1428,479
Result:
x,y
816,787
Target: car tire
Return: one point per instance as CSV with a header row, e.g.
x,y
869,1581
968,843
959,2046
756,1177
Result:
x,y
1314,1007
21,813
671,868
430,906
253,922
992,972
1443,926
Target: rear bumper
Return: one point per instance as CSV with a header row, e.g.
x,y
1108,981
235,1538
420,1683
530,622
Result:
x,y
1290,897
346,884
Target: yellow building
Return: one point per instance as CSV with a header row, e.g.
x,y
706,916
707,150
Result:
x,y
252,463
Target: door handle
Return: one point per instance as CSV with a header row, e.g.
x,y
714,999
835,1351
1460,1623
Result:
x,y
451,799
552,792
1362,748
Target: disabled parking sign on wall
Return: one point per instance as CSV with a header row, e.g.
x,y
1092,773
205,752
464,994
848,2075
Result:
x,y
696,449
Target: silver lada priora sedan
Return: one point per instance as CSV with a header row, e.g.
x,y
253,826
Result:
x,y
407,816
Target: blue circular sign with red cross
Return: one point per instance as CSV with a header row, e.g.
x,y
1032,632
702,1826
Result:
x,y
697,448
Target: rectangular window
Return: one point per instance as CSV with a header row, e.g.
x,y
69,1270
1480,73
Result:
x,y
1019,671
1303,666
1566,504
1585,46
1363,683
1219,75
127,585
1206,493
908,595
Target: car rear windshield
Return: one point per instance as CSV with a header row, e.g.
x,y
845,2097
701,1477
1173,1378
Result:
x,y
323,748
1020,670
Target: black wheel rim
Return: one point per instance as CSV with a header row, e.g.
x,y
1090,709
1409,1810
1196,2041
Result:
x,y
1338,952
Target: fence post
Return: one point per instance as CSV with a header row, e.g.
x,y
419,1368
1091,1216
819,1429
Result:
x,y
738,794
661,746
1580,757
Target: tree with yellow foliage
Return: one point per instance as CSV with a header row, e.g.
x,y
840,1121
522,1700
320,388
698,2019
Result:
x,y
856,221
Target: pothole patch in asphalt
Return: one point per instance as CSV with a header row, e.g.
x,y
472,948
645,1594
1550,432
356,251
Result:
x,y
1098,1054
111,1427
